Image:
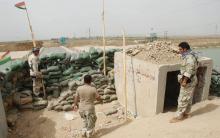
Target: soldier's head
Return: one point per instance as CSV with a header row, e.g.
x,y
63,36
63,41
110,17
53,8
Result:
x,y
87,79
183,47
36,51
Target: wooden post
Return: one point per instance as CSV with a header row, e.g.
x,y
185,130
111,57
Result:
x,y
125,77
103,37
29,22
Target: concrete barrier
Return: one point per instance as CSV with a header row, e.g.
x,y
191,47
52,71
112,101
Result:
x,y
3,124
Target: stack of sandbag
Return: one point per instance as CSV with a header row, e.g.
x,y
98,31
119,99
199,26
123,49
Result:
x,y
52,67
215,83
104,86
60,69
64,102
16,87
16,76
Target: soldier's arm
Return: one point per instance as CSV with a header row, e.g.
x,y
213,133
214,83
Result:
x,y
190,67
76,100
190,70
30,63
34,67
97,96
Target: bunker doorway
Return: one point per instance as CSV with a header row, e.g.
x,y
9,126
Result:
x,y
172,91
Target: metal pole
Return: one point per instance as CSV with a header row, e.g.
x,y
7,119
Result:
x,y
125,77
32,33
89,33
103,38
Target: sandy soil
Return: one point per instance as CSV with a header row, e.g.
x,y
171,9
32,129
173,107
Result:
x,y
110,41
18,46
52,124
204,123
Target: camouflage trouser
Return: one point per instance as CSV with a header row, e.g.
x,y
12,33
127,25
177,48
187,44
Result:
x,y
37,84
185,100
89,119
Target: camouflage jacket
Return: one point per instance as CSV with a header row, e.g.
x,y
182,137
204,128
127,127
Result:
x,y
33,62
189,65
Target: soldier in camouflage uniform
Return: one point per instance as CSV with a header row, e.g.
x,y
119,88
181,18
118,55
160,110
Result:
x,y
33,61
188,81
87,94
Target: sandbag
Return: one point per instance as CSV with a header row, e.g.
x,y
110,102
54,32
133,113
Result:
x,y
94,54
53,81
46,77
105,97
40,103
68,71
100,60
17,64
65,78
92,72
64,83
85,69
55,73
44,71
52,88
76,75
53,68
58,108
108,91
53,56
56,93
84,56
67,107
113,97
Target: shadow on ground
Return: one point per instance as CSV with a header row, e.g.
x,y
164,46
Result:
x,y
105,131
33,125
208,108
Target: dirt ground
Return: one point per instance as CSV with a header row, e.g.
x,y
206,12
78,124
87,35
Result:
x,y
52,124
18,46
204,123
110,41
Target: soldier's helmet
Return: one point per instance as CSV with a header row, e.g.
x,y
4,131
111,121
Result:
x,y
35,49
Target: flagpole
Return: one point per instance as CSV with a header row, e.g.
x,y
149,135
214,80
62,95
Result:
x,y
32,33
103,37
125,77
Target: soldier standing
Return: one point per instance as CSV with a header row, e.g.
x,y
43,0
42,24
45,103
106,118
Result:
x,y
188,81
87,94
33,61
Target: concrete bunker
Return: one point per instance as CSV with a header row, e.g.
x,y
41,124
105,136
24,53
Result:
x,y
148,82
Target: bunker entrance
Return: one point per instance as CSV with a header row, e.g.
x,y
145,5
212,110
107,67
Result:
x,y
172,91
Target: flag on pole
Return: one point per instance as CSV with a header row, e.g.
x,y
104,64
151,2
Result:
x,y
21,5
